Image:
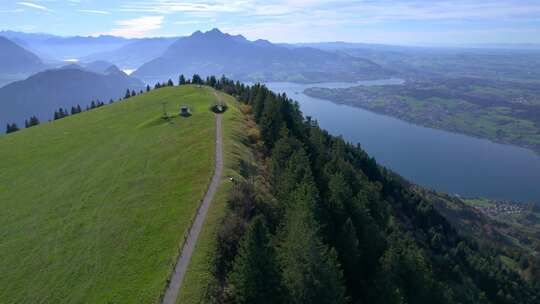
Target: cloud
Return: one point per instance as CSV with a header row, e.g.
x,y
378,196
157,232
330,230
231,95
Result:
x,y
173,6
136,28
33,5
94,12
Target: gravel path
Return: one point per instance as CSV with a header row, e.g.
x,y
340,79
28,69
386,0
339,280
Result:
x,y
181,265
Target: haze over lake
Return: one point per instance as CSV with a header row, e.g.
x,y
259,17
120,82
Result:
x,y
441,160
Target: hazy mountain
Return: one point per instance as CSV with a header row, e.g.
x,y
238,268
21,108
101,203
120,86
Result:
x,y
100,66
216,53
44,92
15,59
16,62
62,48
134,54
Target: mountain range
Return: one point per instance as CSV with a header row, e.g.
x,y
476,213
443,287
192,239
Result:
x,y
56,48
47,91
216,53
16,62
134,54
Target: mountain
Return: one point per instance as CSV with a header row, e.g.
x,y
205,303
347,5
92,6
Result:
x,y
301,216
16,62
45,92
317,220
15,59
62,48
133,55
216,53
99,66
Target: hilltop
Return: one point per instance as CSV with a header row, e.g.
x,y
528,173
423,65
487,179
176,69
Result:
x,y
302,217
41,94
95,205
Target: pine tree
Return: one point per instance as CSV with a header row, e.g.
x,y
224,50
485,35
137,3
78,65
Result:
x,y
34,121
10,128
148,88
311,273
128,94
170,83
271,121
196,79
349,254
259,104
181,80
255,278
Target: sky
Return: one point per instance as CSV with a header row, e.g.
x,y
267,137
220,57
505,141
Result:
x,y
409,22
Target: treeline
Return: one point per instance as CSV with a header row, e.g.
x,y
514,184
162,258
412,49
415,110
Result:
x,y
63,112
319,221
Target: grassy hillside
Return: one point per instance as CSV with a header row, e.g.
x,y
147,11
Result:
x,y
94,206
237,152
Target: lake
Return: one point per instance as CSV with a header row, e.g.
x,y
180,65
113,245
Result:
x,y
444,161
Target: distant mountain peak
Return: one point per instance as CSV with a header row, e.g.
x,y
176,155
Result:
x,y
214,31
113,69
196,33
71,66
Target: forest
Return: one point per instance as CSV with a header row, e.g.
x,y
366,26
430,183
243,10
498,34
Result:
x,y
317,220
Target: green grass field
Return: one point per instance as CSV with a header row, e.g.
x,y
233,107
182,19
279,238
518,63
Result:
x,y
95,206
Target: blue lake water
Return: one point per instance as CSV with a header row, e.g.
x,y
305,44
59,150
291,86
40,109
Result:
x,y
444,161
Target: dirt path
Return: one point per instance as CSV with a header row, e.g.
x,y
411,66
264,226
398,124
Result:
x,y
181,265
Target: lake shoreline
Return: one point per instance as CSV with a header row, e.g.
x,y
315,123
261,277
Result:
x,y
518,144
445,161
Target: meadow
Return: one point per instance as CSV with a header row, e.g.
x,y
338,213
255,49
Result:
x,y
95,205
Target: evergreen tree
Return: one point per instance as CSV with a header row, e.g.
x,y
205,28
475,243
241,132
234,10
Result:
x,y
259,103
196,79
271,122
133,93
255,277
33,121
128,94
10,128
181,80
349,254
170,83
148,88
311,273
